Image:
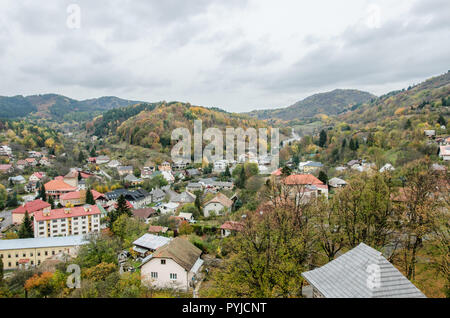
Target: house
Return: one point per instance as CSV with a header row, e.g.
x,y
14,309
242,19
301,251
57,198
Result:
x,y
362,272
67,221
341,169
36,176
186,216
71,178
124,170
34,154
102,160
17,180
193,172
444,153
220,165
438,167
146,172
223,185
230,227
113,164
217,205
430,133
157,195
31,161
170,207
387,167
309,166
337,183
6,168
353,162
183,198
79,198
131,179
137,198
148,243
144,213
173,265
29,252
44,162
56,188
5,151
181,164
30,207
31,186
21,164
194,186
305,186
165,166
156,229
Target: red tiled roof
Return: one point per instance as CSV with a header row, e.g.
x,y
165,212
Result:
x,y
32,206
97,194
143,213
38,175
86,175
277,172
5,167
30,160
71,195
302,179
222,199
232,226
157,229
58,185
61,213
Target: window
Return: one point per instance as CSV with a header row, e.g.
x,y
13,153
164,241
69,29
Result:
x,y
39,253
154,274
173,276
53,252
9,255
9,264
163,262
46,253
31,254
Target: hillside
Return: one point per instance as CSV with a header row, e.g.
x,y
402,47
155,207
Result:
x,y
150,125
57,107
329,103
388,129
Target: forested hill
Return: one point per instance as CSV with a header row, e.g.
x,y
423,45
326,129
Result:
x,y
57,107
151,125
330,103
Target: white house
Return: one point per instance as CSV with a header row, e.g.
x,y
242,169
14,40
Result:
x,y
220,165
218,205
173,265
444,153
337,183
187,216
102,159
387,167
113,164
168,176
170,207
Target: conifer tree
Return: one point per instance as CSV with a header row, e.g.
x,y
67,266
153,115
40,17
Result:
x,y
89,197
26,228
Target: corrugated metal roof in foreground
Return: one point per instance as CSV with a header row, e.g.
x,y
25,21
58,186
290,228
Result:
x,y
349,276
40,242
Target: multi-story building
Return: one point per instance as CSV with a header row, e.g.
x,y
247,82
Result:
x,y
31,207
23,253
67,221
56,188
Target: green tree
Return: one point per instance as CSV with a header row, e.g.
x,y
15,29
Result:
x,y
26,228
1,271
323,177
322,138
89,197
42,193
121,209
441,120
52,201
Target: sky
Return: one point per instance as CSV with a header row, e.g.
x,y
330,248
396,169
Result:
x,y
238,55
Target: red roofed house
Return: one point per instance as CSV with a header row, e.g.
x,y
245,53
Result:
x,y
67,221
31,207
218,204
230,226
6,168
31,161
37,176
306,185
56,188
79,198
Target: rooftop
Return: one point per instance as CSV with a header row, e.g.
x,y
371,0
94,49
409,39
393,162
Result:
x,y
347,277
42,242
151,242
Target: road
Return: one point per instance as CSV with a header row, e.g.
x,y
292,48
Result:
x,y
7,215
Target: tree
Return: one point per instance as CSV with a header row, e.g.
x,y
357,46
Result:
x,y
42,193
3,196
323,177
89,197
407,124
286,171
12,200
81,157
227,172
1,270
441,120
322,138
268,256
52,201
240,182
121,209
344,143
26,228
41,285
93,152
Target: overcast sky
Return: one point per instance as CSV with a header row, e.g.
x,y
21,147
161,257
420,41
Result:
x,y
235,54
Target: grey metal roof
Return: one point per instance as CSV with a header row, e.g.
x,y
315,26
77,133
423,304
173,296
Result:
x,y
151,242
347,277
41,242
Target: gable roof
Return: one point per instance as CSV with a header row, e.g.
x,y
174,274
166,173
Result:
x,y
232,226
58,185
302,179
347,277
222,199
151,242
143,213
32,206
181,251
71,212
